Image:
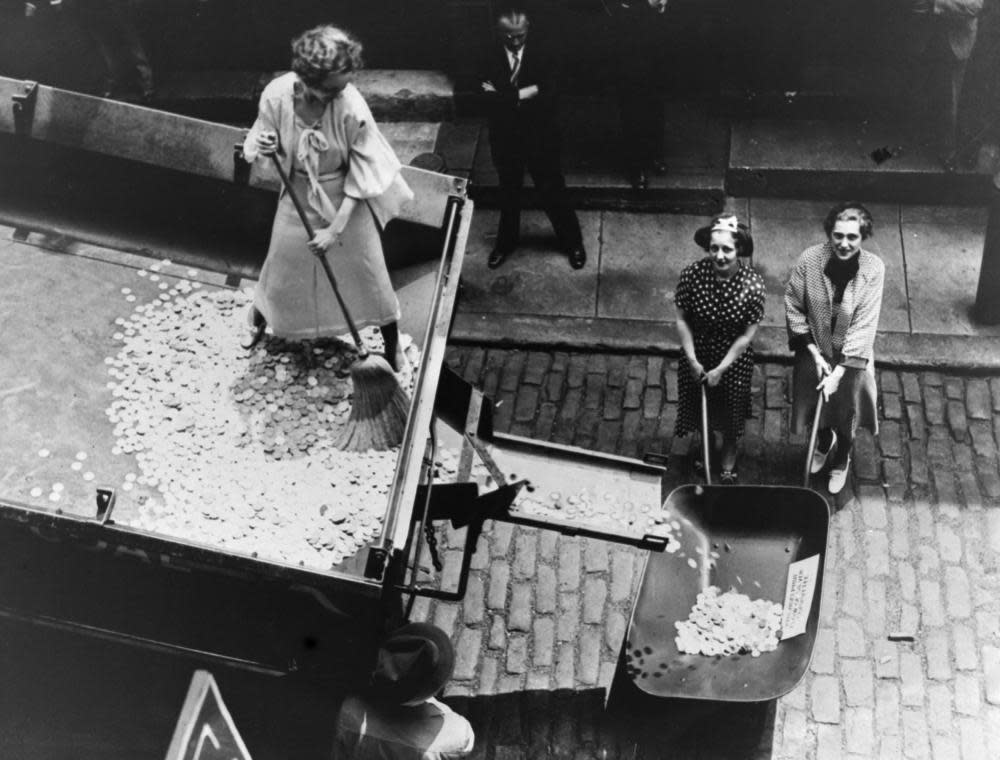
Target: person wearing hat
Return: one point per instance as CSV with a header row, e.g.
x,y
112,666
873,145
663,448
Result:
x,y
399,717
720,303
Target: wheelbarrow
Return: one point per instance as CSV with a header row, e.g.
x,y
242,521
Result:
x,y
757,540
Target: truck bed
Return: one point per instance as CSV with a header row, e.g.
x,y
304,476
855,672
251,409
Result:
x,y
107,382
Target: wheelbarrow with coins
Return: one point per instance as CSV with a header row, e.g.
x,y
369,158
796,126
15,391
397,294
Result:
x,y
731,614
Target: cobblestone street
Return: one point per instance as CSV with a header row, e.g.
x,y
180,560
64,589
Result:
x,y
907,660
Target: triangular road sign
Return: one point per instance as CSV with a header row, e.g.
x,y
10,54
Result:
x,y
205,729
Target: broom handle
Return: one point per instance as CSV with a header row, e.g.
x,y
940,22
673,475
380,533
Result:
x,y
812,439
705,433
363,352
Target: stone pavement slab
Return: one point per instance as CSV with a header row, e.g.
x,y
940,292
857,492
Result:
x,y
411,138
537,278
833,158
942,259
641,258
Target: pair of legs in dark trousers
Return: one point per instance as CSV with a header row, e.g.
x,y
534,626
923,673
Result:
x,y
936,72
643,125
511,161
112,25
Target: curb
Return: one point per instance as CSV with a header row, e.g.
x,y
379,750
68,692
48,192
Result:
x,y
939,353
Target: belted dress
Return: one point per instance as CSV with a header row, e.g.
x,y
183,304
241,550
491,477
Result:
x,y
341,154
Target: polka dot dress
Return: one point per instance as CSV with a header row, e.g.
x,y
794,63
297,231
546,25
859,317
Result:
x,y
717,311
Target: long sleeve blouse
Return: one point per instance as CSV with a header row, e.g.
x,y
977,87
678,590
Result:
x,y
372,170
810,307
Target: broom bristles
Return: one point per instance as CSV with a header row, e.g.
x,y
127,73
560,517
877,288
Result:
x,y
379,408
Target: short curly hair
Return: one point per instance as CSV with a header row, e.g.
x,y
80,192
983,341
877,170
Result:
x,y
850,211
325,50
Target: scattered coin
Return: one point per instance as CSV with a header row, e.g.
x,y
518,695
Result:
x,y
225,442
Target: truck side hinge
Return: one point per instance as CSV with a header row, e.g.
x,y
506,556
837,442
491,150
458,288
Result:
x,y
105,503
241,167
24,107
375,564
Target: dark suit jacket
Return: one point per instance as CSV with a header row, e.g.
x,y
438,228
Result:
x,y
530,124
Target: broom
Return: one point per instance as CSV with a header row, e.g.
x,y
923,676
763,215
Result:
x,y
378,414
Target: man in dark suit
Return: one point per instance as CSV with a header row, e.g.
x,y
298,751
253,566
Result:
x,y
524,134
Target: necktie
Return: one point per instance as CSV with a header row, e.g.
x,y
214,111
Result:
x,y
515,69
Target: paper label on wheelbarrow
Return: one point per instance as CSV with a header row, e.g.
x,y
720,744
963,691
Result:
x,y
799,592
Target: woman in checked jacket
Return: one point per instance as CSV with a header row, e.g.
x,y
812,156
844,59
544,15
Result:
x,y
832,305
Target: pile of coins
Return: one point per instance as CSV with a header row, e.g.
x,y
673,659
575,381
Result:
x,y
235,450
729,624
606,512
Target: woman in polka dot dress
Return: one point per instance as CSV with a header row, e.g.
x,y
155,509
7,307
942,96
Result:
x,y
720,303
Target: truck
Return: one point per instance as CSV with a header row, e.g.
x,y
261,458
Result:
x,y
173,504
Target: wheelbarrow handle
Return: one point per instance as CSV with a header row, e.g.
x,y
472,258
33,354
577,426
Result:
x,y
705,445
812,440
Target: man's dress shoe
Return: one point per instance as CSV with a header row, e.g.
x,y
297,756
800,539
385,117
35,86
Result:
x,y
577,257
496,258
639,180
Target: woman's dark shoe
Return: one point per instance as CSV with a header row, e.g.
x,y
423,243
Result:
x,y
497,257
639,180
697,464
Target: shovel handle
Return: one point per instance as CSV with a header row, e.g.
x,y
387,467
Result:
x,y
705,446
812,440
362,351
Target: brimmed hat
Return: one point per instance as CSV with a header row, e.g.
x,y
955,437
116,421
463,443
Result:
x,y
413,663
